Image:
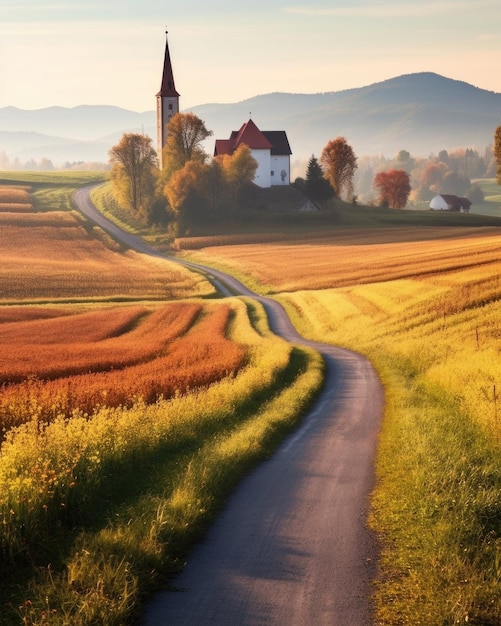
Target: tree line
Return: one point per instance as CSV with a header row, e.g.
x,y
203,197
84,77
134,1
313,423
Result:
x,y
190,186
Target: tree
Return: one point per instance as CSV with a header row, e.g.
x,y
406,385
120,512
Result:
x,y
239,169
404,161
182,184
339,163
133,165
394,188
497,153
316,186
186,132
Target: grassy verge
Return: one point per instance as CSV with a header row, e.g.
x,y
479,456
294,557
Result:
x,y
437,509
98,511
102,197
437,505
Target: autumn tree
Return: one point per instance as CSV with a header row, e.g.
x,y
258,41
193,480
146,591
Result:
x,y
497,153
186,133
239,170
133,168
339,162
394,188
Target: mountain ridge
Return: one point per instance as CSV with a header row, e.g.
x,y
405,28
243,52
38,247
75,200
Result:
x,y
422,112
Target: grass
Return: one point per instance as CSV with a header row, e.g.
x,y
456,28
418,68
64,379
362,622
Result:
x,y
424,304
102,495
434,341
85,535
428,317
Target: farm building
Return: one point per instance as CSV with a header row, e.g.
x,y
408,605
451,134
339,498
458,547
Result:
x,y
446,202
270,148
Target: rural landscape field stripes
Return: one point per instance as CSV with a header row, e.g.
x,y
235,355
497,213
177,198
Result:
x,y
108,356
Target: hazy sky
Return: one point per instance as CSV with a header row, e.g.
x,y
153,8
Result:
x,y
111,51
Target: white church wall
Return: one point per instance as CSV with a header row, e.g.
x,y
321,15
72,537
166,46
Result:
x,y
280,168
263,172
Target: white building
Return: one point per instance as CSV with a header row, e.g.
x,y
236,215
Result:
x,y
448,202
270,148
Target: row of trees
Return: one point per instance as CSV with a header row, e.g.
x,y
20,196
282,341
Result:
x,y
190,185
333,174
395,182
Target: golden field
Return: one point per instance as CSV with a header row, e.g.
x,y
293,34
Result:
x,y
51,255
425,307
355,257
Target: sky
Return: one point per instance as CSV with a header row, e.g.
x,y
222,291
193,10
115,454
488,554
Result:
x,y
68,53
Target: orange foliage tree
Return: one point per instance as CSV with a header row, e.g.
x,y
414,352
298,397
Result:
x,y
394,188
339,163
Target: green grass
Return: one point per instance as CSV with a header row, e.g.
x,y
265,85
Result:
x,y
436,509
52,191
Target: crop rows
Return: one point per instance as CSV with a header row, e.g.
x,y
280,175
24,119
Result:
x,y
52,255
78,363
15,199
340,261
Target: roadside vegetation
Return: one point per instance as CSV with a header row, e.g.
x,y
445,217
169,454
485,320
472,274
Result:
x,y
418,292
424,306
129,409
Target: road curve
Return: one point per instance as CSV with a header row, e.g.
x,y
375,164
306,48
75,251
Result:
x,y
291,548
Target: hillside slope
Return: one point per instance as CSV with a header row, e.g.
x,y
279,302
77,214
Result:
x,y
421,113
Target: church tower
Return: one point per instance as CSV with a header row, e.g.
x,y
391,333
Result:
x,y
167,101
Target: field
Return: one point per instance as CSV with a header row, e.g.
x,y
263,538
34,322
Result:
x,y
64,362
131,402
64,257
425,306
351,257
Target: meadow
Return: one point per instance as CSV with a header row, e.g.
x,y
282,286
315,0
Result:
x,y
131,403
65,257
425,307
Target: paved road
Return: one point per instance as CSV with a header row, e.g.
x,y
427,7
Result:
x,y
291,548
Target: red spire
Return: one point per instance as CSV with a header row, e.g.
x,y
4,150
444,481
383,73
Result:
x,y
168,88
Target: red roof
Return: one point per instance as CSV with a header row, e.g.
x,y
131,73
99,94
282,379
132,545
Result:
x,y
249,134
168,89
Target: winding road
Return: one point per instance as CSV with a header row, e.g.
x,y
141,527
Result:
x,y
292,547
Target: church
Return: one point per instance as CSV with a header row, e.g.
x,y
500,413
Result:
x,y
270,148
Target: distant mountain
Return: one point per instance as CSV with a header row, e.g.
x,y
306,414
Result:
x,y
421,113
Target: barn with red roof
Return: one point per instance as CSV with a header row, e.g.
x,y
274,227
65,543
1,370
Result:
x,y
270,148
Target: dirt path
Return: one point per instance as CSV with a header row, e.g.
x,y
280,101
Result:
x,y
291,548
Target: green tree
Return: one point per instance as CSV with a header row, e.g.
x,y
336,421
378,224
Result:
x,y
316,186
339,162
133,171
497,153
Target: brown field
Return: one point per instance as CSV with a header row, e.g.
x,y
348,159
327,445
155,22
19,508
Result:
x,y
52,256
15,199
57,361
352,258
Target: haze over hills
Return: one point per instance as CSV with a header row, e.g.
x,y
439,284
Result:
x,y
422,113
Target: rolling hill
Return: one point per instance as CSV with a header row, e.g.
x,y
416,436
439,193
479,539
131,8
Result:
x,y
422,113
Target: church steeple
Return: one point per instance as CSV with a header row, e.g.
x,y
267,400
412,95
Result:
x,y
167,100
